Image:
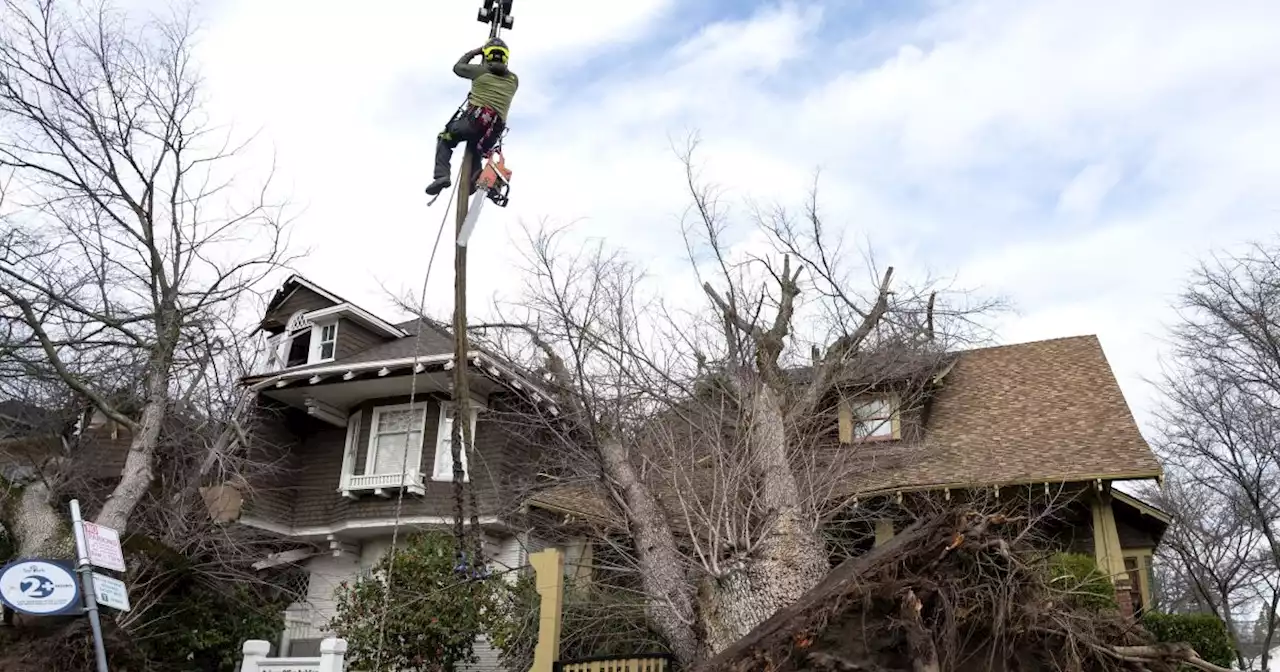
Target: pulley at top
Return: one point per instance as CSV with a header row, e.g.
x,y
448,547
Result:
x,y
496,13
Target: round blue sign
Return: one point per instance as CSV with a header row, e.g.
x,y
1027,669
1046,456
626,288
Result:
x,y
39,587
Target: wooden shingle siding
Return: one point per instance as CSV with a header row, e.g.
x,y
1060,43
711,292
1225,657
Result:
x,y
353,338
273,495
302,299
320,503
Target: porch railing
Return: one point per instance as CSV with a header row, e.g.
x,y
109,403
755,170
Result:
x,y
645,662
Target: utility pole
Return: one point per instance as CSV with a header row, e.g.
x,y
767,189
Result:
x,y
461,437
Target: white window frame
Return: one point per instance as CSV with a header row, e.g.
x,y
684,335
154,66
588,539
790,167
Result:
x,y
349,453
880,427
442,445
412,465
317,344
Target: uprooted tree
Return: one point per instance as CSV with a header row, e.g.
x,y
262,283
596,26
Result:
x,y
123,255
127,252
707,426
967,589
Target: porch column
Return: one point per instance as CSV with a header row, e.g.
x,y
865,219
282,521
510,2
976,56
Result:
x,y
1106,550
548,566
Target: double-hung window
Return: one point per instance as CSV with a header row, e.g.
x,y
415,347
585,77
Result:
x,y
874,419
443,470
868,419
395,439
326,340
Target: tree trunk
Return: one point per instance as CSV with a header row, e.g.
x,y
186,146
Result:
x,y
137,474
789,563
670,604
790,560
37,528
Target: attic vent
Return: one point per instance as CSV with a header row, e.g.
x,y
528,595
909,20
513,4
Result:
x,y
298,321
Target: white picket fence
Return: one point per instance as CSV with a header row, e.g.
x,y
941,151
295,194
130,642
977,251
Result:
x,y
332,652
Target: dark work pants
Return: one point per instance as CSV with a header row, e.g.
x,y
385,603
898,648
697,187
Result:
x,y
468,127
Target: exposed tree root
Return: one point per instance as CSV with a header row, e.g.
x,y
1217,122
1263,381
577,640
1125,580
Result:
x,y
961,591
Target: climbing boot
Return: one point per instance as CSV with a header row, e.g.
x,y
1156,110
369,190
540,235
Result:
x,y
438,185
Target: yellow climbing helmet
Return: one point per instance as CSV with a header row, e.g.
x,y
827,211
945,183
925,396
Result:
x,y
496,51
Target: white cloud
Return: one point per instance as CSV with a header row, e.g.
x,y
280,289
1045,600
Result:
x,y
1076,156
1082,196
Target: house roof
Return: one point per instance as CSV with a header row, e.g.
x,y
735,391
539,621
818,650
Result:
x,y
1045,411
292,283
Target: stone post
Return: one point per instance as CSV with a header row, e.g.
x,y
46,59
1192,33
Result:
x,y
254,650
332,653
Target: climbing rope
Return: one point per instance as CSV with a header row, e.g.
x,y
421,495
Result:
x,y
413,393
496,13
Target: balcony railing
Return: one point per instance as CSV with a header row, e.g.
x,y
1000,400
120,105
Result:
x,y
647,662
271,354
382,484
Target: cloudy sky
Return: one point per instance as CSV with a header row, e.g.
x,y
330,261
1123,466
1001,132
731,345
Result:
x,y
1076,156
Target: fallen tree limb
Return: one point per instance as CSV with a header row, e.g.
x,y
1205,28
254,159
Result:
x,y
962,591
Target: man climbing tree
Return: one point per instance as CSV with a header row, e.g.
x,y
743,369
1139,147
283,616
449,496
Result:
x,y
481,121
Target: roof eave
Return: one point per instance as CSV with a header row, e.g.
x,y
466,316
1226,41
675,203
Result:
x,y
1011,483
491,367
361,314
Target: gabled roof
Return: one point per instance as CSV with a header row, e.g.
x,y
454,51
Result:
x,y
291,284
431,344
336,306
1045,411
1040,412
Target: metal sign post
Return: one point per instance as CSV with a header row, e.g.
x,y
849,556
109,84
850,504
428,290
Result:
x,y
86,580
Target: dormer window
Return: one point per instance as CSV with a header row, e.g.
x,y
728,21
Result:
x,y
303,342
299,348
869,419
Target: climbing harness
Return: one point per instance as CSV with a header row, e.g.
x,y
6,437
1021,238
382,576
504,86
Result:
x,y
488,144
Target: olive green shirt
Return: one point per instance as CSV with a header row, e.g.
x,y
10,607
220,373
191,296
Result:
x,y
488,89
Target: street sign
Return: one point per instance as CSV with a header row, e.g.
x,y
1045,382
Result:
x,y
103,547
110,592
40,587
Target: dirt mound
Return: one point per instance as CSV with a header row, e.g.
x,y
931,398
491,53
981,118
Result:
x,y
63,645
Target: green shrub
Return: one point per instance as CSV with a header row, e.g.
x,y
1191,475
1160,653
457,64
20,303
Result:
x,y
196,627
1206,633
1076,576
432,615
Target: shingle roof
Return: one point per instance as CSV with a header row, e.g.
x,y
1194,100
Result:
x,y
1044,411
1026,413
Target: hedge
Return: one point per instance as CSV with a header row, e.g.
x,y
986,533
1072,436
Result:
x,y
1078,577
1206,633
